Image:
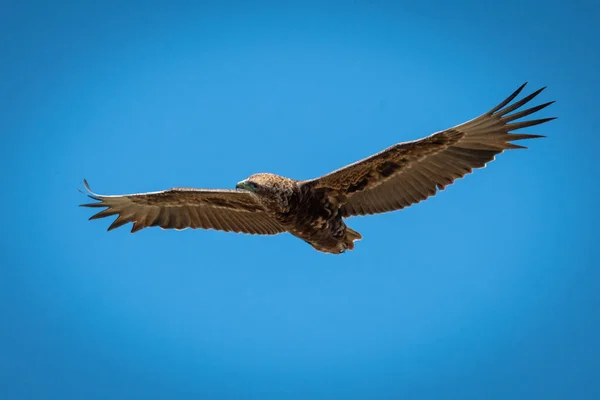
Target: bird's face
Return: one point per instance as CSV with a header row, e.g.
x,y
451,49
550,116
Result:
x,y
259,184
247,185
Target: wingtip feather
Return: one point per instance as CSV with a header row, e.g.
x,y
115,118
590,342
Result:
x,y
93,205
512,146
522,136
136,227
117,223
508,99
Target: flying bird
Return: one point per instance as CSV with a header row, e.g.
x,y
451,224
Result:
x,y
314,210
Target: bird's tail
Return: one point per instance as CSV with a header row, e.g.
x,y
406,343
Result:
x,y
352,234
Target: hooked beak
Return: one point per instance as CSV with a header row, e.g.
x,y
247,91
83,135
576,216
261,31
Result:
x,y
243,185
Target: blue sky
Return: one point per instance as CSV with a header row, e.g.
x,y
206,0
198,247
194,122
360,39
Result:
x,y
488,290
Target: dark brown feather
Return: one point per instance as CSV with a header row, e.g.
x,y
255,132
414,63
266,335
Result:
x,y
409,172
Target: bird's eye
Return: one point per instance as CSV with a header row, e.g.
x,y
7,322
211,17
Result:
x,y
254,185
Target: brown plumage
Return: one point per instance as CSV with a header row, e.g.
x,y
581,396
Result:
x,y
314,210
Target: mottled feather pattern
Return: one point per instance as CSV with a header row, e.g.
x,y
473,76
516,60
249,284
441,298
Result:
x,y
409,172
275,191
314,210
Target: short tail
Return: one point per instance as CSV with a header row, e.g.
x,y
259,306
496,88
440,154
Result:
x,y
352,234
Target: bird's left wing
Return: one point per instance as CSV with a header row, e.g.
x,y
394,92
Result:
x,y
181,208
409,172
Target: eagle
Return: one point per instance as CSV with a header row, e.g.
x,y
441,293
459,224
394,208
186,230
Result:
x,y
315,210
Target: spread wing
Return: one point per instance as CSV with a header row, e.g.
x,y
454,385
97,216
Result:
x,y
181,208
409,172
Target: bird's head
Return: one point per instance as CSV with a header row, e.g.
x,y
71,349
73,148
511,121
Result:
x,y
259,184
272,189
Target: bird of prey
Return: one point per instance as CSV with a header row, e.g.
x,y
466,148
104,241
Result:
x,y
314,210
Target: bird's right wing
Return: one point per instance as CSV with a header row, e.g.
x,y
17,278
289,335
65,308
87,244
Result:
x,y
181,208
409,172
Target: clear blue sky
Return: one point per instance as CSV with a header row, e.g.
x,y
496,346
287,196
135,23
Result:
x,y
489,290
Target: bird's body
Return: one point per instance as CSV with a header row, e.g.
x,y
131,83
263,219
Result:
x,y
312,215
314,210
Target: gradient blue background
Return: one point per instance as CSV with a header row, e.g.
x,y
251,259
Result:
x,y
489,290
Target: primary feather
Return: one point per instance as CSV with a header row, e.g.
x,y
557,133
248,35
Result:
x,y
181,208
409,172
